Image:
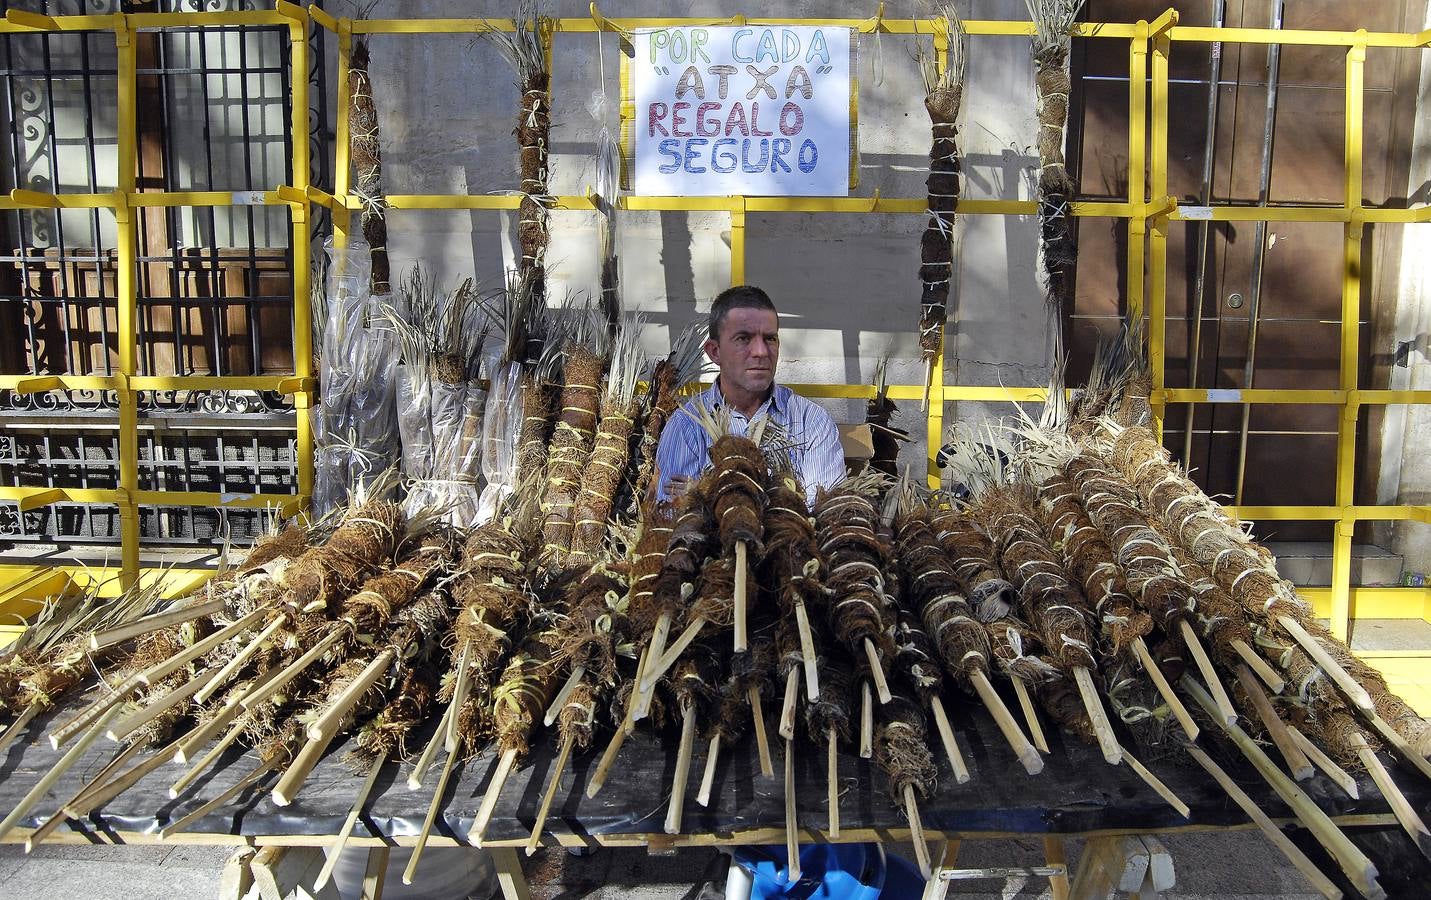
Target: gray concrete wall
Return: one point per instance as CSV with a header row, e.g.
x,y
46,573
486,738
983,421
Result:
x,y
847,285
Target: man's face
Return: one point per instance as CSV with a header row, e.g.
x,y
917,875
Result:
x,y
748,349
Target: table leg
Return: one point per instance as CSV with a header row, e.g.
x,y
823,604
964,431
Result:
x,y
1055,854
1109,864
937,888
510,875
375,873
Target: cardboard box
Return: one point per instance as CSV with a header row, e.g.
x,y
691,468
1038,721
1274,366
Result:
x,y
858,444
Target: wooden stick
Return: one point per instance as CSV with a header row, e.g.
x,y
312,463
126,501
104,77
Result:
x,y
459,697
291,671
1394,739
668,659
638,706
429,819
1297,762
866,721
792,826
99,640
877,672
1353,862
924,403
762,741
1021,691
39,835
618,737
787,709
160,671
1269,830
1027,754
14,729
207,759
202,734
807,652
703,796
171,698
429,753
336,850
946,736
235,665
1354,691
1225,709
42,787
1405,813
832,781
1256,663
563,695
549,794
243,784
682,774
1156,784
1165,690
1324,762
489,800
327,725
659,635
740,579
916,832
327,728
96,795
92,713
1107,742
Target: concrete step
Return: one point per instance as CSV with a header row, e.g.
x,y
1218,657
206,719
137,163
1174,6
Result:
x,y
1309,564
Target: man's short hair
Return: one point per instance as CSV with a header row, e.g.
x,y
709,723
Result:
x,y
742,296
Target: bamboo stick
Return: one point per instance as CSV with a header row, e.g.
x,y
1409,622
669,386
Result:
x,y
39,835
877,672
1165,690
1032,762
683,771
762,741
291,671
1225,709
326,726
740,586
916,832
703,796
1324,762
807,652
639,704
160,671
235,665
1297,762
459,697
336,850
946,736
243,784
787,709
429,819
792,826
1021,691
866,721
489,800
14,729
1256,663
1353,862
1405,813
924,401
1354,691
1102,728
99,640
832,781
668,659
64,764
429,753
618,737
171,698
1157,785
549,794
1269,829
563,695
207,759
1394,738
92,713
202,734
96,795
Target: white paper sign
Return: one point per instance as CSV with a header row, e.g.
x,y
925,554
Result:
x,y
730,110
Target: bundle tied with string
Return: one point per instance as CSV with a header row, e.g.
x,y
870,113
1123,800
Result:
x,y
1053,21
1015,649
570,451
916,658
520,697
971,556
932,590
1092,563
647,557
365,156
901,748
714,599
537,398
690,542
792,555
606,468
1050,602
415,637
1395,711
834,710
667,379
944,92
750,670
1143,713
845,522
1217,617
739,491
491,593
321,576
594,626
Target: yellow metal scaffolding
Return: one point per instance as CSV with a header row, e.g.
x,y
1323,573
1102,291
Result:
x,y
1148,209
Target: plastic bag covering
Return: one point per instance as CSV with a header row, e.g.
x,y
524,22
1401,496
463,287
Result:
x,y
501,426
441,426
1077,792
414,411
356,424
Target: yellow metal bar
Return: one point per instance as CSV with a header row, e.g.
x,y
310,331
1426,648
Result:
x,y
934,404
1158,222
1205,35
342,163
127,132
1137,193
1375,603
1255,395
303,395
737,241
24,198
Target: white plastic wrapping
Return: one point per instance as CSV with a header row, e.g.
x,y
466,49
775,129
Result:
x,y
501,427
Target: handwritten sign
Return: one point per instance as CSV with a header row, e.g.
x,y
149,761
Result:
x,y
757,110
